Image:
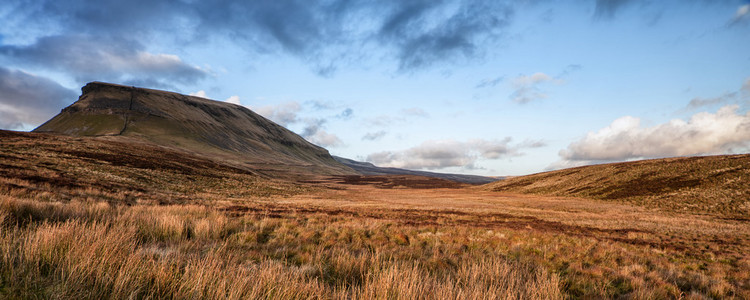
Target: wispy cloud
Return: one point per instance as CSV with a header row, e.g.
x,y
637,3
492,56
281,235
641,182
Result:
x,y
742,15
440,154
528,88
738,96
491,82
415,112
374,136
346,114
698,102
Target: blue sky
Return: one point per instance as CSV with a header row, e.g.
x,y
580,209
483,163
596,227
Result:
x,y
476,87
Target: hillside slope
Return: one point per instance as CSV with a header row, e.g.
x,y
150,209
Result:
x,y
219,130
711,184
50,167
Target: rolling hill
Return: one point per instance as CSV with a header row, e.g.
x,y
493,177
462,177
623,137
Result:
x,y
222,131
710,184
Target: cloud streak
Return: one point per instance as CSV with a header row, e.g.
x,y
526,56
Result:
x,y
441,154
374,136
738,96
698,102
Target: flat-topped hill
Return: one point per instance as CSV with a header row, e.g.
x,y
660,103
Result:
x,y
220,130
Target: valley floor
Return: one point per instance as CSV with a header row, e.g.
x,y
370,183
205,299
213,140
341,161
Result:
x,y
382,238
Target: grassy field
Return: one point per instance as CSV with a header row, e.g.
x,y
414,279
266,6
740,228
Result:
x,y
92,218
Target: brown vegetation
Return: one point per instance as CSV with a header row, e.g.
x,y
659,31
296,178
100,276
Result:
x,y
717,185
95,218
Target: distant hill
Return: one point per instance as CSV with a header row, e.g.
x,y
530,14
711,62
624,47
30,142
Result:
x,y
222,131
369,169
709,184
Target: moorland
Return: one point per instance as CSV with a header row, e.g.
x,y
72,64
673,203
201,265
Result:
x,y
100,206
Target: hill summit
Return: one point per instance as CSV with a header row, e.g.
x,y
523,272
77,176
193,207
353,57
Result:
x,y
224,131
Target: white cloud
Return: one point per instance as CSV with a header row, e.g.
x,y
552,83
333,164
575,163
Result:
x,y
315,134
200,93
725,131
742,14
287,113
324,139
428,155
528,88
742,11
283,114
234,100
439,154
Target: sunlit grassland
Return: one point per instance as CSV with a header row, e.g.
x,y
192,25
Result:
x,y
102,219
94,250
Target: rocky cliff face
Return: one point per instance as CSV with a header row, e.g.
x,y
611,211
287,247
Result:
x,y
221,130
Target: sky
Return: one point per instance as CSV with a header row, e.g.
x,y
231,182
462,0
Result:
x,y
473,87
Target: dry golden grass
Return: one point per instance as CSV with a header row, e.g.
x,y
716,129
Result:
x,y
72,226
100,251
